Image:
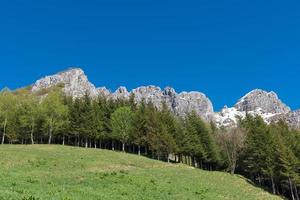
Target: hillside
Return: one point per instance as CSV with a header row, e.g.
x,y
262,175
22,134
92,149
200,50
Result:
x,y
61,173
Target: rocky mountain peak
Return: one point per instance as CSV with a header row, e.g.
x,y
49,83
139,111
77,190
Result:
x,y
268,102
103,91
121,93
257,102
195,101
75,83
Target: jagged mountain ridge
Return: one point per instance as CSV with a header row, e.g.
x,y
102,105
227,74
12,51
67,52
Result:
x,y
257,102
76,84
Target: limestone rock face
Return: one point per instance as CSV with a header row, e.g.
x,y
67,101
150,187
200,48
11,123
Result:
x,y
257,102
180,104
75,83
194,101
293,119
121,93
103,91
268,102
170,96
149,94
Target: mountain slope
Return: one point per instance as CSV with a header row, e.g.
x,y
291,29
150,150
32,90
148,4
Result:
x,y
57,172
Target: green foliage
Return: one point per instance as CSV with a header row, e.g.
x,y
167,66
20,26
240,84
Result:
x,y
140,130
55,113
8,111
28,115
268,154
199,140
121,122
61,173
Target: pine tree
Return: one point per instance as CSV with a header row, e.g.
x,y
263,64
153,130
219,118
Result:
x,y
98,123
193,146
87,128
286,165
139,129
259,149
75,119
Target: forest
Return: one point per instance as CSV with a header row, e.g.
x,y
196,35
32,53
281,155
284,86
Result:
x,y
267,154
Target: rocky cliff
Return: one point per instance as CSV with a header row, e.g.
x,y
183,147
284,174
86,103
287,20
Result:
x,y
75,83
257,102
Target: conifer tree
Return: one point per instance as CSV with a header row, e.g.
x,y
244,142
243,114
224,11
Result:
x,y
259,149
87,128
75,107
286,165
139,130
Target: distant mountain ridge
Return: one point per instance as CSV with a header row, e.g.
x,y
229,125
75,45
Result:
x,y
257,102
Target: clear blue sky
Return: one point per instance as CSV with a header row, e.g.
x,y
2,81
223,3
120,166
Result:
x,y
222,48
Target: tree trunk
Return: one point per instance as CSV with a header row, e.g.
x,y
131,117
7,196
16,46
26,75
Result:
x,y
123,147
63,143
139,150
86,143
112,145
273,185
292,189
232,171
100,145
259,180
77,141
50,135
31,135
296,192
4,131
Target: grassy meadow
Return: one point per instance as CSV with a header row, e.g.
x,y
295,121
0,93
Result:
x,y
68,173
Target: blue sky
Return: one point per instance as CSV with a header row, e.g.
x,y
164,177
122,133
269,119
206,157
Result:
x,y
222,48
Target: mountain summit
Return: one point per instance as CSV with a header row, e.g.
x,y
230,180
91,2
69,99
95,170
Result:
x,y
257,102
75,83
267,101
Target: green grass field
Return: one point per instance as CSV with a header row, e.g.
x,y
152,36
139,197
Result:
x,y
67,173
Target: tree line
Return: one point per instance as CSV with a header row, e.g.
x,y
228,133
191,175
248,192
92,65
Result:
x,y
268,155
